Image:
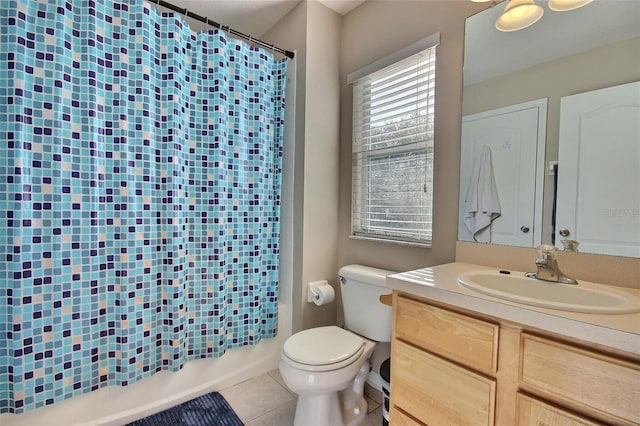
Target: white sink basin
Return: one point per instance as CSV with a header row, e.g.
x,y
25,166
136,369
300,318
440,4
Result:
x,y
585,297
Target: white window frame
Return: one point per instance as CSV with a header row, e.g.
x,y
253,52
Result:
x,y
362,224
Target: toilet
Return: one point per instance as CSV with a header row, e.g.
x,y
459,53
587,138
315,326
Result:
x,y
328,366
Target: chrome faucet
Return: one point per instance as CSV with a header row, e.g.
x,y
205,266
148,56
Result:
x,y
548,269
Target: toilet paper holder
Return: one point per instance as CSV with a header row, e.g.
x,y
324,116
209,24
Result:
x,y
313,291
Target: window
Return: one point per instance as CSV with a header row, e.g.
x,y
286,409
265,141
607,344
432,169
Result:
x,y
392,170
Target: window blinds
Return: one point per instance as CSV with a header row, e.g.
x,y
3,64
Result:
x,y
392,170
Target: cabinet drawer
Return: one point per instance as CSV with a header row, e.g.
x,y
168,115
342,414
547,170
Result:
x,y
438,392
399,418
608,385
460,338
530,411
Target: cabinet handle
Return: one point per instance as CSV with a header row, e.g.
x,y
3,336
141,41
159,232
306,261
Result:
x,y
564,232
524,228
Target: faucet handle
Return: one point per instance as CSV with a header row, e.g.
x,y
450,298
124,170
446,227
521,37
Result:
x,y
547,252
570,245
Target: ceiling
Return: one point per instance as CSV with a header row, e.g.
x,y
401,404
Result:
x,y
252,17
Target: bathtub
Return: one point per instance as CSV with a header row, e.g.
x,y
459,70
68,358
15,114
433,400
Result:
x,y
116,405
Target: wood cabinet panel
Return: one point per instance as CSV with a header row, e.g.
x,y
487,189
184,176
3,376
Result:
x,y
530,411
399,418
439,392
608,385
458,337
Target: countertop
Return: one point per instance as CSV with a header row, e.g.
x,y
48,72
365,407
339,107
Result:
x,y
439,283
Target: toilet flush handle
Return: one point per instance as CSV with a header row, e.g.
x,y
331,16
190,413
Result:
x,y
343,280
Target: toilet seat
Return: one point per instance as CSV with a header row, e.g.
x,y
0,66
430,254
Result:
x,y
322,349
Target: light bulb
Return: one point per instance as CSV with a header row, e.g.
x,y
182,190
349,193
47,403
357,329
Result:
x,y
519,14
565,5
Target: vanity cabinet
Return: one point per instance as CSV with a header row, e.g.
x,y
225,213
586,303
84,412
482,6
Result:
x,y
454,367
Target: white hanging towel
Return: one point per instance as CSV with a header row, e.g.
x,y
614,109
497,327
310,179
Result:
x,y
482,205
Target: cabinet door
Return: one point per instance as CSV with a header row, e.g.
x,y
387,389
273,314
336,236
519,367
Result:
x,y
438,392
531,411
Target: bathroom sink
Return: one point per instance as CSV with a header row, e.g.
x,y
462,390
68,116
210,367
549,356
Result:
x,y
585,297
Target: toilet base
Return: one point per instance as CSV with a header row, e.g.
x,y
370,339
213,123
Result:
x,y
354,414
345,408
329,410
354,406
314,410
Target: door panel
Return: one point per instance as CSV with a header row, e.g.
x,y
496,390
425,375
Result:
x,y
516,137
599,170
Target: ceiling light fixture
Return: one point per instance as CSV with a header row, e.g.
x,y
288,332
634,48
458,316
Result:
x,y
519,14
565,5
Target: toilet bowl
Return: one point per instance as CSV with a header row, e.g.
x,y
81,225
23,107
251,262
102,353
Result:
x,y
328,366
317,364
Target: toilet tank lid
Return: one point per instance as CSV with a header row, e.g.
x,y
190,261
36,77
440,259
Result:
x,y
365,274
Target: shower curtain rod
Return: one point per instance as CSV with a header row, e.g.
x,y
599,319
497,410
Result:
x,y
230,30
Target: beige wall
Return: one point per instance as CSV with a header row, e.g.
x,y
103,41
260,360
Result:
x,y
320,241
314,32
553,80
370,32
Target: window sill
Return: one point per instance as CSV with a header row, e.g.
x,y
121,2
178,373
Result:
x,y
390,241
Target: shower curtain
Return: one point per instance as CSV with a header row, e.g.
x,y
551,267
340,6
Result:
x,y
139,196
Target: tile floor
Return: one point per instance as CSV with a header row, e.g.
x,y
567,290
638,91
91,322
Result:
x,y
266,401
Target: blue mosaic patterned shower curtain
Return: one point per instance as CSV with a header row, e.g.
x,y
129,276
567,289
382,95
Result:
x,y
139,196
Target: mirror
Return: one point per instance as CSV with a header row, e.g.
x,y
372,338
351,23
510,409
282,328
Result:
x,y
563,54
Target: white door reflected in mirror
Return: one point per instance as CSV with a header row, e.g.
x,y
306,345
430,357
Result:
x,y
598,202
516,137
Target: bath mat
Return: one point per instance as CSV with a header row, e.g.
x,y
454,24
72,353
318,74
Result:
x,y
208,410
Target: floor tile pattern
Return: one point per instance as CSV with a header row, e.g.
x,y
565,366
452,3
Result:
x,y
266,401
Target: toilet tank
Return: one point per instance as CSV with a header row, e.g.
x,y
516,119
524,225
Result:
x,y
361,287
